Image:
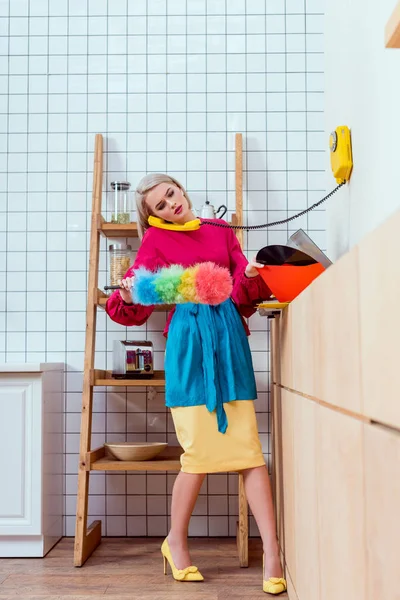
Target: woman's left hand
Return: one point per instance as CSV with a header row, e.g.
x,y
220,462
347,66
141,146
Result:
x,y
251,269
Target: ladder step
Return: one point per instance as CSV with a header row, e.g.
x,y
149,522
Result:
x,y
115,230
100,377
102,300
168,460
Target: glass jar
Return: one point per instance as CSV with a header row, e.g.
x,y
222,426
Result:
x,y
120,261
120,202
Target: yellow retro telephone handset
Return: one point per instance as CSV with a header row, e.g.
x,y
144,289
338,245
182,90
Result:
x,y
161,224
341,164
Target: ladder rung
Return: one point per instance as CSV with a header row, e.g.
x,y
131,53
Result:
x,y
100,377
115,230
102,300
100,460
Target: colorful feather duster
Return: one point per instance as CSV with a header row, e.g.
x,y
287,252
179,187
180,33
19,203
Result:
x,y
205,283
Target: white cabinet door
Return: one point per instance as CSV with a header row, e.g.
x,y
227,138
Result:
x,y
20,454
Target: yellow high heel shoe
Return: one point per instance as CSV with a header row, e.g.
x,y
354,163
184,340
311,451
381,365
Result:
x,y
274,585
189,574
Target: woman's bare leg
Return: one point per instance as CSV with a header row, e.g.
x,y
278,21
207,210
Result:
x,y
259,496
184,495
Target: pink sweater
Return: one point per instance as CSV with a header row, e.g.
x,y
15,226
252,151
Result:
x,y
162,248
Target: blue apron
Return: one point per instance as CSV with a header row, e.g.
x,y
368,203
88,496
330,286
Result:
x,y
208,359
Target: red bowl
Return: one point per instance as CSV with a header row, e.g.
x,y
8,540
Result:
x,y
288,281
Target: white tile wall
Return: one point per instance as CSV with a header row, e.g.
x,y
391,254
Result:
x,y
168,84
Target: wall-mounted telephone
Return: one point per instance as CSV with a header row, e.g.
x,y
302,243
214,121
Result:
x,y
341,155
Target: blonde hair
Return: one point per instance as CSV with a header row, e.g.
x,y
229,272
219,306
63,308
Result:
x,y
147,183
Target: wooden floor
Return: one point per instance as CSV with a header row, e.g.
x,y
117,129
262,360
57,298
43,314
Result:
x,y
133,568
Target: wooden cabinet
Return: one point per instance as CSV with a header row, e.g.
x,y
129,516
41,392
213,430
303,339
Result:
x,y
392,29
382,501
31,450
336,427
340,498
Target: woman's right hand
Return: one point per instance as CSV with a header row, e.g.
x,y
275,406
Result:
x,y
126,289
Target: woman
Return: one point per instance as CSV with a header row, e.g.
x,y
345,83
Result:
x,y
210,385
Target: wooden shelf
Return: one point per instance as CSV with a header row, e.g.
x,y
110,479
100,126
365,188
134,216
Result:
x,y
392,29
102,299
168,460
101,378
88,538
114,230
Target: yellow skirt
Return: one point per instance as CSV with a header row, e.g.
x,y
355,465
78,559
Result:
x,y
206,450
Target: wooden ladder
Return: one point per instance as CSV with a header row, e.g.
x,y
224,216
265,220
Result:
x,y
88,538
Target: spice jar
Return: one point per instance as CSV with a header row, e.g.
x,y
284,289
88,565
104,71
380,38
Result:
x,y
120,201
120,261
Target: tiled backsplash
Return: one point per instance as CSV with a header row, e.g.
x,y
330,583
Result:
x,y
168,84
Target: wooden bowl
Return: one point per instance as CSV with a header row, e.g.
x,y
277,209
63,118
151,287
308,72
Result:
x,y
135,450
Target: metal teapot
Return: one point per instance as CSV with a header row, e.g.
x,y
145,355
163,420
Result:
x,y
208,211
